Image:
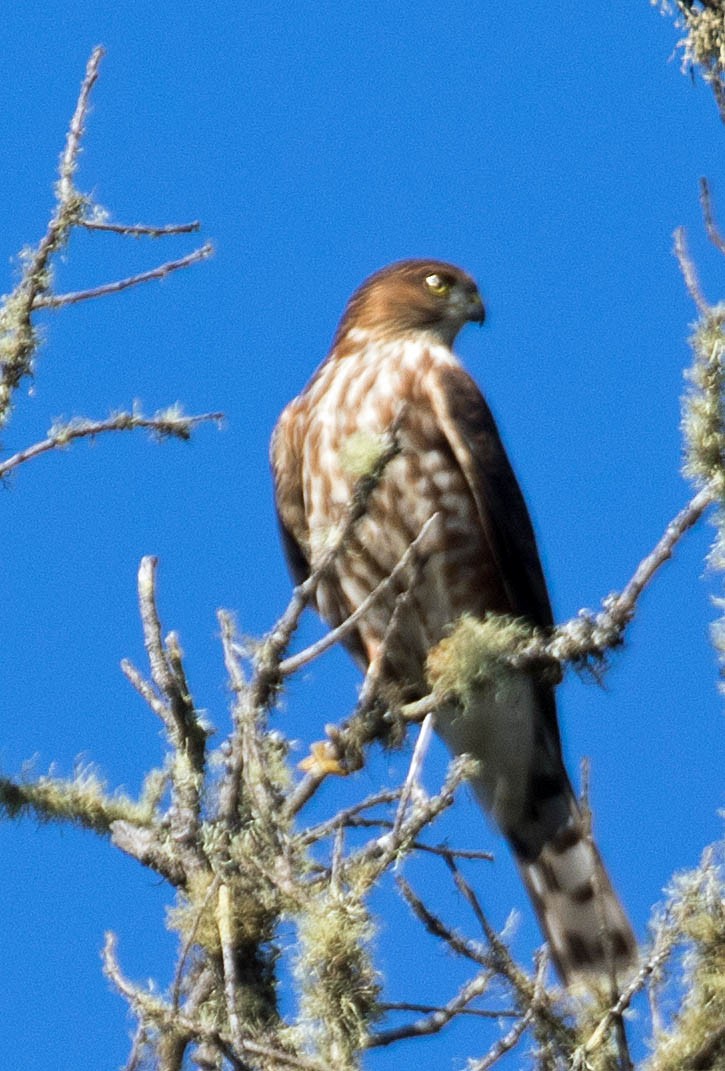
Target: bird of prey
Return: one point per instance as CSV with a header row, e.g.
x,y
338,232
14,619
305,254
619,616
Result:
x,y
391,365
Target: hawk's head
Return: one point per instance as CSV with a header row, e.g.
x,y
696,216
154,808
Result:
x,y
411,296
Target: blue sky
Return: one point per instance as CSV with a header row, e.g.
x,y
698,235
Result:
x,y
550,151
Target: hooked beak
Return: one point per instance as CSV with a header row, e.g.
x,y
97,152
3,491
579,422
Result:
x,y
476,310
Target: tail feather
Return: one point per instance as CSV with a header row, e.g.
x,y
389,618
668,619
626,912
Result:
x,y
588,932
522,784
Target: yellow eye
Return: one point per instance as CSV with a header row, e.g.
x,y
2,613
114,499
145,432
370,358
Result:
x,y
437,284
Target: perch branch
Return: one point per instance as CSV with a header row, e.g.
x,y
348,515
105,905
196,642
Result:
x,y
591,635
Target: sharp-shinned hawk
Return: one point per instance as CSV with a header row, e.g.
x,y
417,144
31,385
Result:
x,y
391,365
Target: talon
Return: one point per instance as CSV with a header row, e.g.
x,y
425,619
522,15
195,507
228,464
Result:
x,y
323,759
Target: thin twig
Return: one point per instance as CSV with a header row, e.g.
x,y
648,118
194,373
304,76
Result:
x,y
282,632
189,941
417,845
412,779
231,788
501,956
140,229
517,1031
620,609
437,1018
389,846
294,662
388,1006
506,1043
144,688
165,425
437,928
20,340
710,226
76,130
56,301
531,996
689,272
346,817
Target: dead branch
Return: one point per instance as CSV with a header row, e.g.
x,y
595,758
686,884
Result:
x,y
591,635
268,659
689,272
186,732
19,340
438,1017
506,1044
156,1014
150,847
294,662
413,1006
82,801
435,926
707,214
57,301
141,230
169,424
178,712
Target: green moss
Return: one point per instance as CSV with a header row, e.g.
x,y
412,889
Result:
x,y
338,984
476,653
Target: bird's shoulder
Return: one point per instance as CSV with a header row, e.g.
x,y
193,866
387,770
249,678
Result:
x,y
462,413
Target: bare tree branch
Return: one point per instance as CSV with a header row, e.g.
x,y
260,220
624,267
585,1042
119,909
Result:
x,y
710,226
438,1017
689,272
57,301
140,230
169,424
333,636
16,331
69,159
506,1044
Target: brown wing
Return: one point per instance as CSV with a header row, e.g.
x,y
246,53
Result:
x,y
286,451
284,456
473,437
